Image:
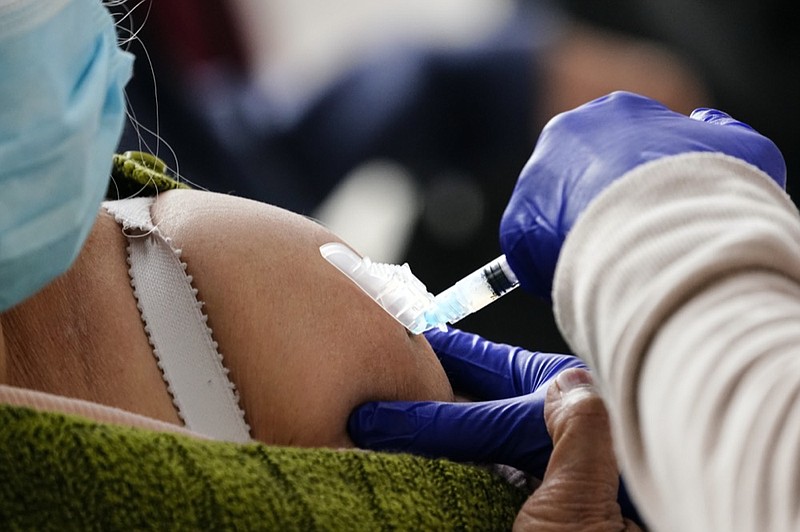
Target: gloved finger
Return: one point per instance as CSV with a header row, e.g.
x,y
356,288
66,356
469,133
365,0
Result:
x,y
510,432
489,370
715,116
579,489
478,367
753,147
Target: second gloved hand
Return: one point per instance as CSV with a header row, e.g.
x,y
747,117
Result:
x,y
506,426
581,152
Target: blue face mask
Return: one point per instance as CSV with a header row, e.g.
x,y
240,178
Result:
x,y
62,110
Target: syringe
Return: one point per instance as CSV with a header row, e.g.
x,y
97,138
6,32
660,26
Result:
x,y
472,293
407,299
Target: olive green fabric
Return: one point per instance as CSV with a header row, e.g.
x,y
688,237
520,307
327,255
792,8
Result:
x,y
139,174
61,472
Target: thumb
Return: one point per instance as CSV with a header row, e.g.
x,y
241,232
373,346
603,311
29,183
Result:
x,y
579,489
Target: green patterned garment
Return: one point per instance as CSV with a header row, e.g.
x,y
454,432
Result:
x,y
62,472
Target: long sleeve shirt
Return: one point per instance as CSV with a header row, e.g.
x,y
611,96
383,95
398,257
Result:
x,y
680,287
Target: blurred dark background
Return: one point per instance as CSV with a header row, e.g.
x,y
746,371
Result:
x,y
286,103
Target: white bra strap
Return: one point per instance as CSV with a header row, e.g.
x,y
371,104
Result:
x,y
187,354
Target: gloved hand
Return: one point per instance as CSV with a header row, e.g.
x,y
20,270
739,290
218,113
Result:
x,y
581,152
507,427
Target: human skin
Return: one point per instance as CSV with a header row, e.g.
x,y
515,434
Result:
x,y
303,344
579,489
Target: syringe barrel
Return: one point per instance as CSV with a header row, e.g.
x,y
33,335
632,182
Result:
x,y
474,292
404,296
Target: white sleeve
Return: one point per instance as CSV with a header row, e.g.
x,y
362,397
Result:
x,y
680,287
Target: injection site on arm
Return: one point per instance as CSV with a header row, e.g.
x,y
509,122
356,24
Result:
x,y
406,298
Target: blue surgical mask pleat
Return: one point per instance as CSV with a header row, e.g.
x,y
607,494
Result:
x,y
61,116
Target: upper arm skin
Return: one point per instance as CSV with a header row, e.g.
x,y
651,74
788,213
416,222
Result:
x,y
304,345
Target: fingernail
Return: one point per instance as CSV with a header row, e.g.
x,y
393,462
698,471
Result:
x,y
571,379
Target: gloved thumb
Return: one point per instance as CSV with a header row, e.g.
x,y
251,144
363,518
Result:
x,y
579,489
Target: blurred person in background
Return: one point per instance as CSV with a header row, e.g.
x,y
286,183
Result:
x,y
748,51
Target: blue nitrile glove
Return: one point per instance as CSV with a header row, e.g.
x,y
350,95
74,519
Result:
x,y
580,152
506,427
